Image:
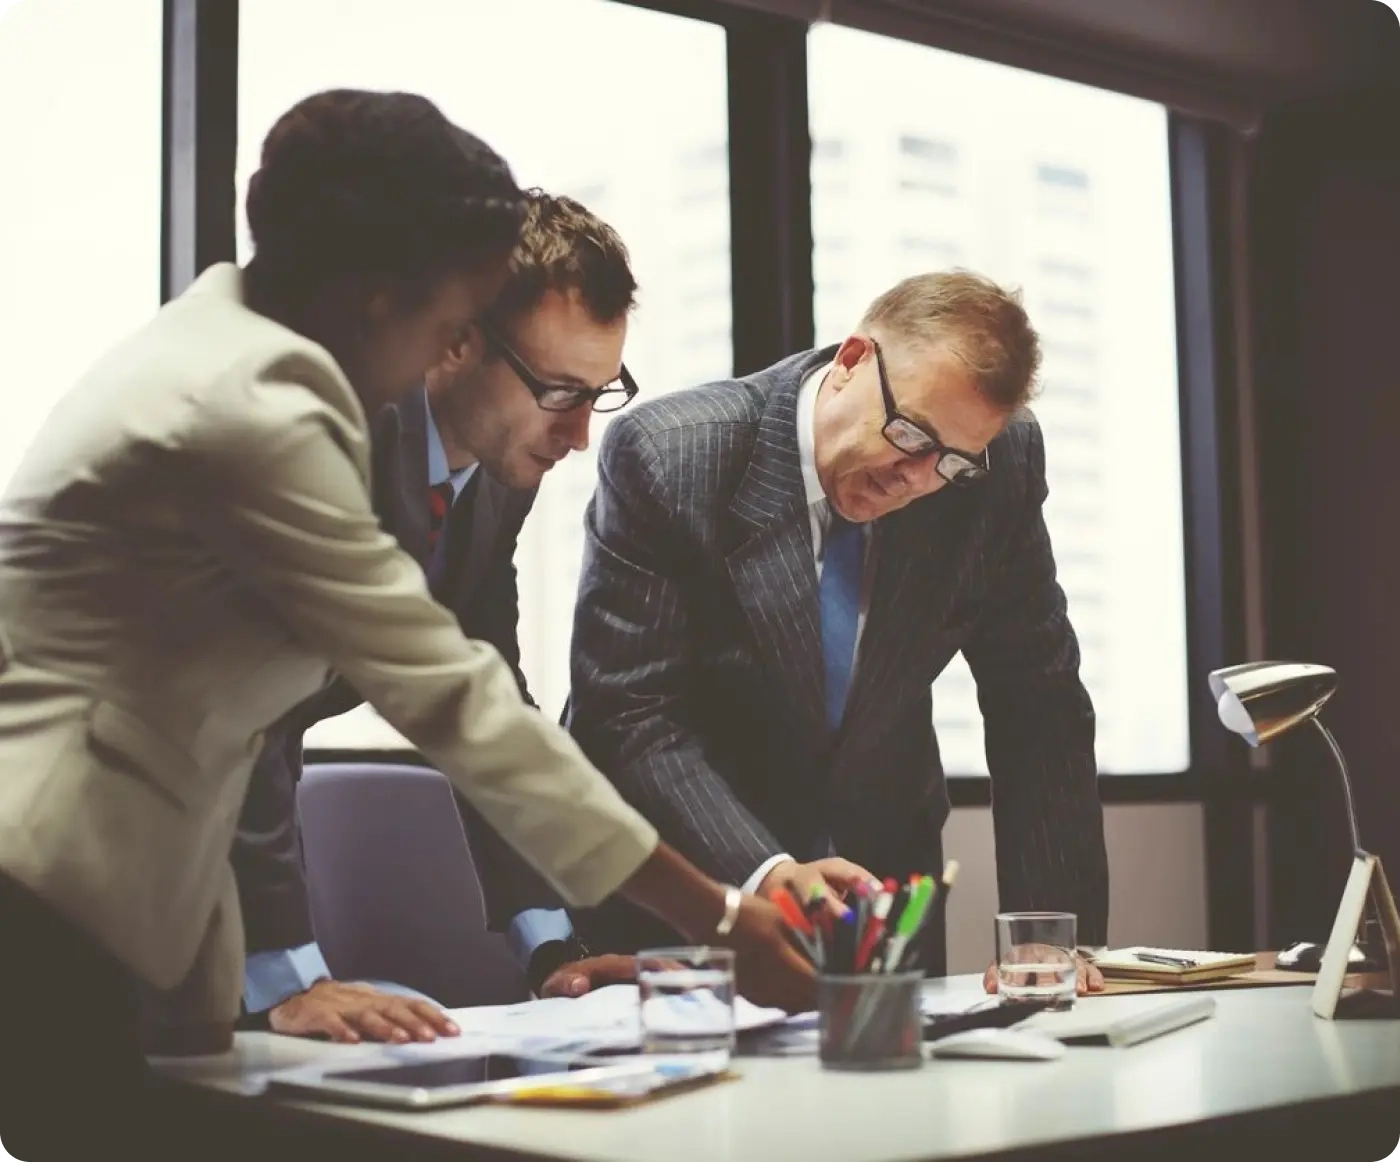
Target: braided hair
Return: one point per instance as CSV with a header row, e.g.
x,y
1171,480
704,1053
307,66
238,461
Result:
x,y
380,187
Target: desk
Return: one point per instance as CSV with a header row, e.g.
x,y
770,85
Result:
x,y
1263,1072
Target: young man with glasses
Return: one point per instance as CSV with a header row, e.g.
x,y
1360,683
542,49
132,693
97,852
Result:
x,y
456,468
777,568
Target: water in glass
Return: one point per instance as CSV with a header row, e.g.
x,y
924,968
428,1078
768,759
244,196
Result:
x,y
1035,957
687,1004
1048,978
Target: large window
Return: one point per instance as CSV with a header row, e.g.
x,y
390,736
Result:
x,y
923,160
620,107
80,118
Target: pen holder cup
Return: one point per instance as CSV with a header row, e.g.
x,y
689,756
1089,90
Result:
x,y
871,1022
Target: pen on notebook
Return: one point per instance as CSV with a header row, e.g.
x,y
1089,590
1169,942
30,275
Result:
x,y
1162,958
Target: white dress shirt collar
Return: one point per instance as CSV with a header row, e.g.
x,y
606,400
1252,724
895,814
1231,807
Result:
x,y
806,436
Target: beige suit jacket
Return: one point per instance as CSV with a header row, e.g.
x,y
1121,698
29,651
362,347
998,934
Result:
x,y
186,552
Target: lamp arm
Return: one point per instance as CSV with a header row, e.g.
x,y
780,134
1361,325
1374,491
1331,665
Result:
x,y
1346,785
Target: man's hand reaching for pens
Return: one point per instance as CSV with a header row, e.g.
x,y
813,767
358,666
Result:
x,y
831,877
1087,977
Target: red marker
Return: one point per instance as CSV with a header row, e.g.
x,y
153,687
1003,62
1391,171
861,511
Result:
x,y
791,912
874,930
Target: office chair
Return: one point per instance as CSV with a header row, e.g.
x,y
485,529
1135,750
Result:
x,y
394,893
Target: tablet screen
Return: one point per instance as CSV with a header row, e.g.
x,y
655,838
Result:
x,y
454,1071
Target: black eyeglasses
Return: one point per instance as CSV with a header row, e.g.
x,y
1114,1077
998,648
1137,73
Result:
x,y
915,440
553,397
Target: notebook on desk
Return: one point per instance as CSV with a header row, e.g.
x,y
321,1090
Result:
x,y
1172,965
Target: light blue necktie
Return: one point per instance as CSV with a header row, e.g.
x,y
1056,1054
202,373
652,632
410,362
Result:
x,y
839,599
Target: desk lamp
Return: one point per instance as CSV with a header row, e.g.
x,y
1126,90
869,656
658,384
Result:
x,y
1259,701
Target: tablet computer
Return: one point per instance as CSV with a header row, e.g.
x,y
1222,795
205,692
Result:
x,y
448,1081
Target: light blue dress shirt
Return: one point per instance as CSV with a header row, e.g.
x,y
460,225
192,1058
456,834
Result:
x,y
437,462
534,927
270,977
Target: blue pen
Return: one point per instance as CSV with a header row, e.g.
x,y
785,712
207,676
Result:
x,y
846,938
862,911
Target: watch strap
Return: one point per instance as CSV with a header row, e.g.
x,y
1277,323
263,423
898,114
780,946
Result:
x,y
550,957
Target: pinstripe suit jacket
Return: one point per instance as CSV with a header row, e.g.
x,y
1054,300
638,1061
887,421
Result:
x,y
697,666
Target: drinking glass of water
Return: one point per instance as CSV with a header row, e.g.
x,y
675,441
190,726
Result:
x,y
687,1000
1035,957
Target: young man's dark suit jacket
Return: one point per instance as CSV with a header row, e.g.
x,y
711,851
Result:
x,y
478,583
697,664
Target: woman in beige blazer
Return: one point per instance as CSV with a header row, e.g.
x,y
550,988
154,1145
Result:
x,y
188,551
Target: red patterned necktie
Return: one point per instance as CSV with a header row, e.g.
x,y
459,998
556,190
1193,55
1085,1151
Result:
x,y
439,503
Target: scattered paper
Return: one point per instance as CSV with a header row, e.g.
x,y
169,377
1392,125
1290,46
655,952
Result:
x,y
605,1019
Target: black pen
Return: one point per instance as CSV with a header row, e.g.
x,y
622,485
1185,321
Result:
x,y
1161,958
901,898
935,916
879,960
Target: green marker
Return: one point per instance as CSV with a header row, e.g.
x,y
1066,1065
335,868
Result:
x,y
910,921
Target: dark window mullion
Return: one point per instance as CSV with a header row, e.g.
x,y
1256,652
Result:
x,y
1214,607
770,190
199,139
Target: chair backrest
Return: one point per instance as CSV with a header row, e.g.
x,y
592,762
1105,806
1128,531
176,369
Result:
x,y
394,893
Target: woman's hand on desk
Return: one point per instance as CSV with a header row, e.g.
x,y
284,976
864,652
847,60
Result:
x,y
350,1013
1087,977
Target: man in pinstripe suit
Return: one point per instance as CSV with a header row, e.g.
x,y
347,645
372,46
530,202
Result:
x,y
776,570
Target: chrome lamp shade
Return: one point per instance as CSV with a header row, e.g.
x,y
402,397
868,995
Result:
x,y
1261,700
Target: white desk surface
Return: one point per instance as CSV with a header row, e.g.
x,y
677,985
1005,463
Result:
x,y
1263,1048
